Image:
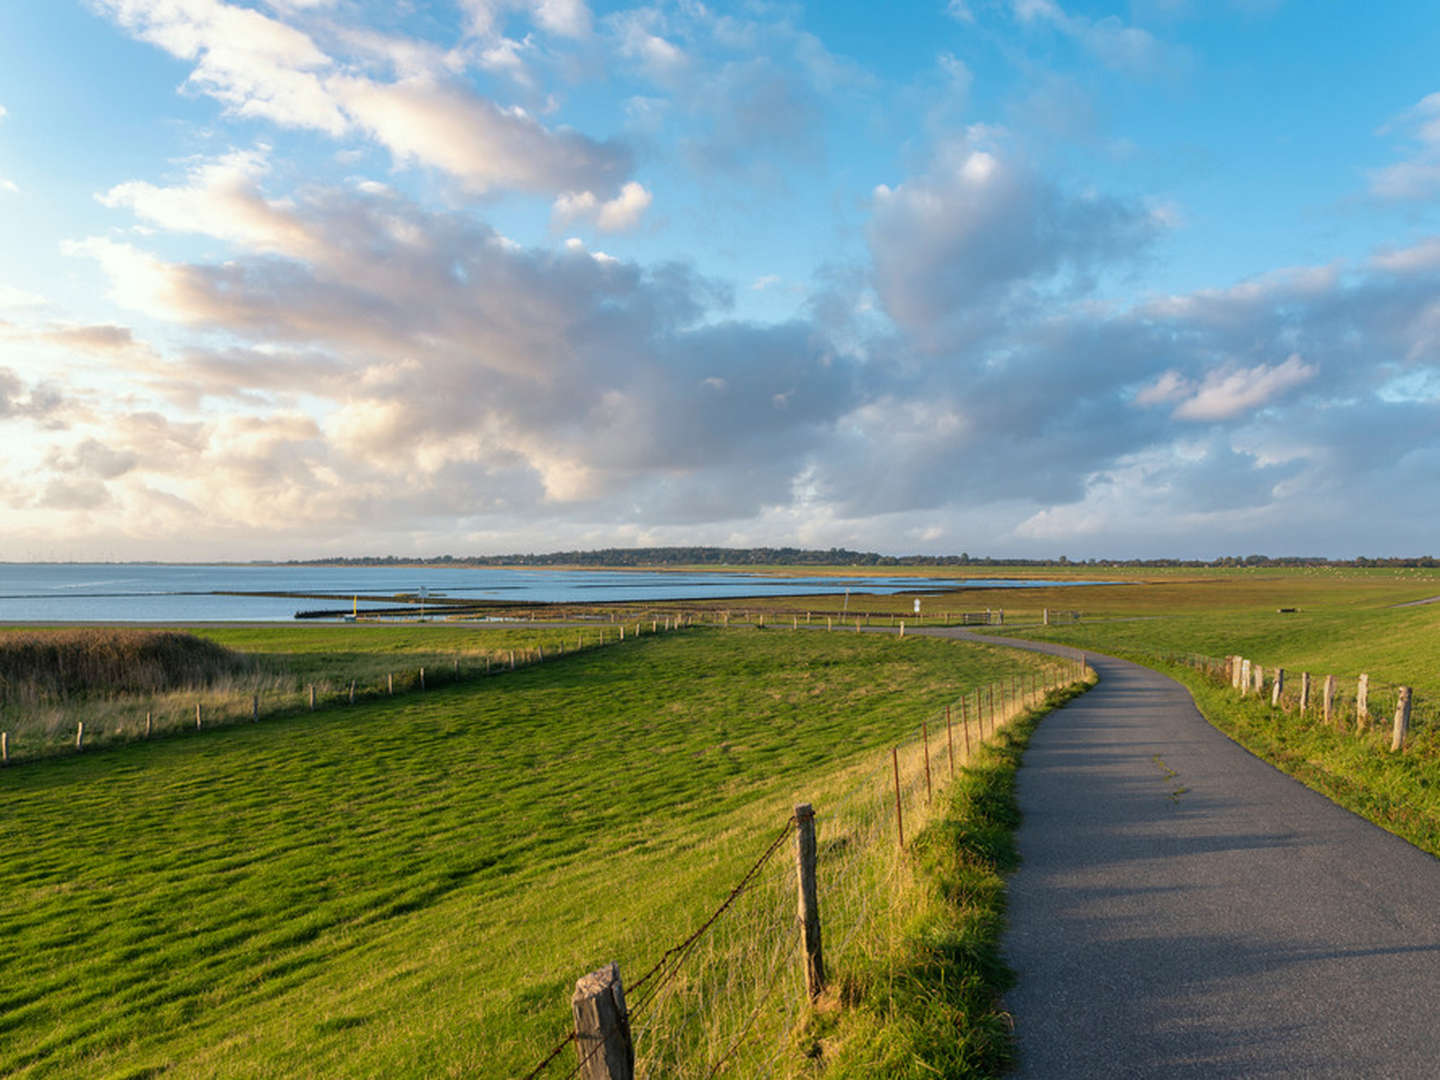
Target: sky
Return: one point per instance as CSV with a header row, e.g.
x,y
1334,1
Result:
x,y
298,278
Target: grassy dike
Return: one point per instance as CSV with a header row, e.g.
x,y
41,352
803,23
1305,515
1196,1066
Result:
x,y
411,886
930,1006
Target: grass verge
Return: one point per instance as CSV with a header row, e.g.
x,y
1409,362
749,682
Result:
x,y
930,1005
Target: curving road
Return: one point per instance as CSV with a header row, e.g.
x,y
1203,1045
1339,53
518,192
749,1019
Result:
x,y
1184,910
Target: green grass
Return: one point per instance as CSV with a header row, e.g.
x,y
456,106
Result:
x,y
112,679
929,1006
410,887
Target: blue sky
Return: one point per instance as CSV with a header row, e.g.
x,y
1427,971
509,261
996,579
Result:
x,y
1036,277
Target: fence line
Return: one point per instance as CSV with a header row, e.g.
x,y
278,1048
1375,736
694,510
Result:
x,y
58,738
732,993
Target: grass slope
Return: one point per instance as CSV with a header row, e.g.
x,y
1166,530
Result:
x,y
410,887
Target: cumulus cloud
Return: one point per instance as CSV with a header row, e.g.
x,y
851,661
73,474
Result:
x,y
259,66
981,227
619,214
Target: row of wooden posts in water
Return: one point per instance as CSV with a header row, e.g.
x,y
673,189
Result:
x,y
1249,678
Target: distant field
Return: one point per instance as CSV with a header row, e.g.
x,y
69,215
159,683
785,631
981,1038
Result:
x,y
1347,622
409,887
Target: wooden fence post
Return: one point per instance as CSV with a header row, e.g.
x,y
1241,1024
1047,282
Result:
x,y
1362,703
899,819
352,691
422,678
1304,691
1277,691
950,742
925,736
602,1026
1259,675
197,716
390,683
4,748
512,651
1402,719
80,735
805,849
1329,698
147,724
312,697
902,627
1045,617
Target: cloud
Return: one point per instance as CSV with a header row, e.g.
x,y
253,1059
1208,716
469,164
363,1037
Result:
x,y
619,214
19,401
567,18
981,228
263,68
1418,176
90,338
9,186
1226,392
1116,44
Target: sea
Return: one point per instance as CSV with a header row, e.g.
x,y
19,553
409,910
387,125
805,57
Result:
x,y
168,593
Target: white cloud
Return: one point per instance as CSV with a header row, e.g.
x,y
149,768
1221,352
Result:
x,y
1227,392
1417,177
616,215
258,66
11,297
1110,40
4,112
9,186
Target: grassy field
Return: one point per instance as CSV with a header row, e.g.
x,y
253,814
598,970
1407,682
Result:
x,y
279,664
409,887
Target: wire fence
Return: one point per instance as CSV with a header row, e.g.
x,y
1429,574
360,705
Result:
x,y
731,999
33,728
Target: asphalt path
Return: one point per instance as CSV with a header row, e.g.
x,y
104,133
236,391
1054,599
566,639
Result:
x,y
1183,909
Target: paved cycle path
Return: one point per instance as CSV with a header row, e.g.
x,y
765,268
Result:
x,y
1183,909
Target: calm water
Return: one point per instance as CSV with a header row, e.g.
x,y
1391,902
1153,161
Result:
x,y
128,592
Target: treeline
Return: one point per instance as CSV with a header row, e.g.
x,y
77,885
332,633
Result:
x,y
791,556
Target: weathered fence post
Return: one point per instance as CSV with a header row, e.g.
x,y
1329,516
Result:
x,y
1259,673
1328,697
80,735
899,819
829,622
950,742
512,651
197,716
1402,719
1244,677
602,1027
805,849
4,748
1362,703
925,736
422,678
1045,616
352,691
312,697
1278,690
902,627
390,683
1304,691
